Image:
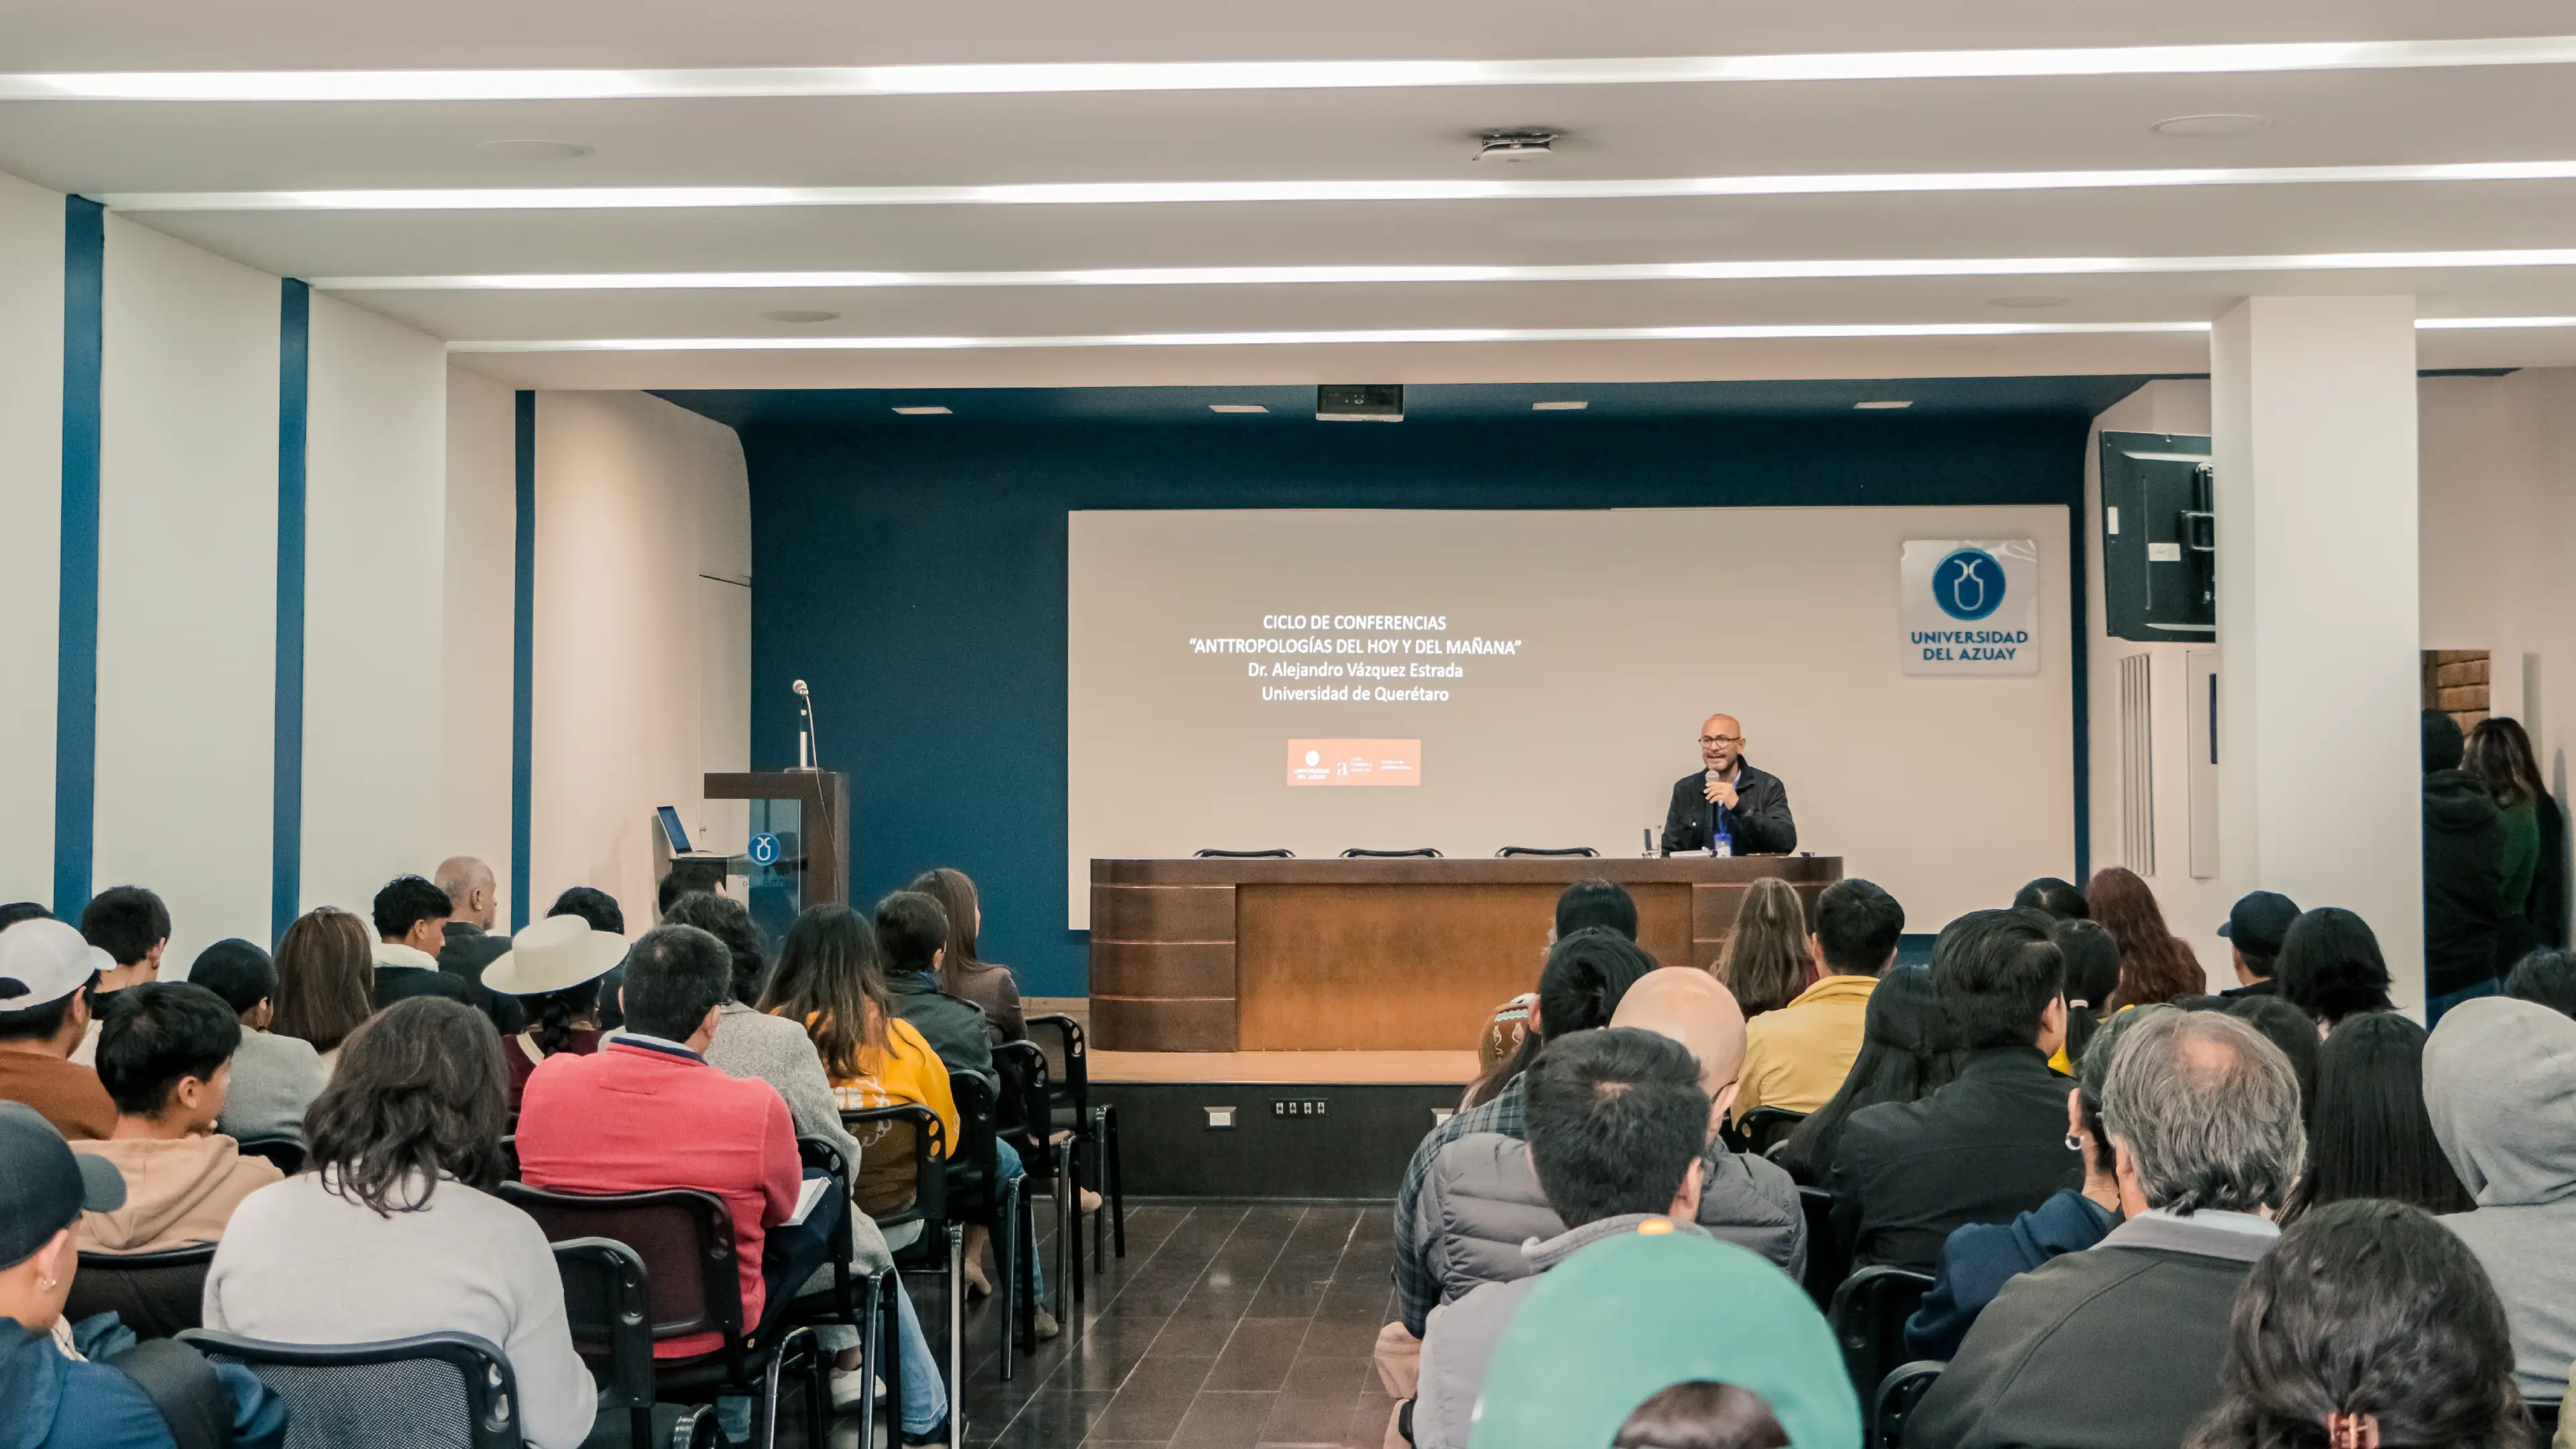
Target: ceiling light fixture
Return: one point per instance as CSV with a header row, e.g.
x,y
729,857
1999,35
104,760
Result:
x,y
1511,147
2028,301
1237,408
1571,405
923,412
1750,332
1884,404
801,315
1116,76
2216,123
1712,271
535,150
1175,193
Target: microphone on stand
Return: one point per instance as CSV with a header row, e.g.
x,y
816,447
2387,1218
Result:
x,y
808,744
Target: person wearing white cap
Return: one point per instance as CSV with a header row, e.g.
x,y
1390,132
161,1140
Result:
x,y
46,969
553,969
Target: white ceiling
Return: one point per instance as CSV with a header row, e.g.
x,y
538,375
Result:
x,y
2317,118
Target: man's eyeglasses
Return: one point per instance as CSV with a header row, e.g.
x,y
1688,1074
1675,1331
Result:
x,y
1721,739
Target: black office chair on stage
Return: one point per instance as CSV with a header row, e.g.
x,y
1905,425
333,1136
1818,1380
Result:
x,y
1868,1317
158,1295
1584,851
436,1391
1095,1131
1362,853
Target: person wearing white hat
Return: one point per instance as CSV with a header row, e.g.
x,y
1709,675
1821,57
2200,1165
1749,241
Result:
x,y
46,970
553,968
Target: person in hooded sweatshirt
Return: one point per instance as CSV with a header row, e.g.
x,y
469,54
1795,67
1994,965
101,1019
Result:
x,y
165,1056
2500,1086
2463,874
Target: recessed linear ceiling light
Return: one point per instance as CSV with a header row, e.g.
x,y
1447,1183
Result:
x,y
1884,404
1041,79
923,412
1170,193
1725,271
1363,336
2218,123
1571,405
1514,147
1237,408
2029,301
801,315
535,150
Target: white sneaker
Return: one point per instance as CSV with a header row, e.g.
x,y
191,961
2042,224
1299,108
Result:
x,y
852,1387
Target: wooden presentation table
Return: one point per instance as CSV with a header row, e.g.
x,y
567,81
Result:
x,y
1406,954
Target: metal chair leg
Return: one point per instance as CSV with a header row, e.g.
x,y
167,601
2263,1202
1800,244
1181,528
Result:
x,y
765,1434
871,1360
1006,1254
1068,1198
1100,1173
1117,1178
956,1333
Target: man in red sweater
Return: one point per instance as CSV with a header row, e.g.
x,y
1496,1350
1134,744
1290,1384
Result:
x,y
646,1112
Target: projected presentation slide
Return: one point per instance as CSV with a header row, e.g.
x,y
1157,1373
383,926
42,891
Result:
x,y
1468,680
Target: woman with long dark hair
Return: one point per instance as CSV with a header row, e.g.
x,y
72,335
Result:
x,y
1767,964
2154,965
2330,966
553,968
2367,1326
2372,1136
2535,839
392,1230
2092,959
1905,1056
326,969
961,972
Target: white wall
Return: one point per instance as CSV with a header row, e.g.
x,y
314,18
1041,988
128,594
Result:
x,y
31,434
475,675
376,520
187,584
638,501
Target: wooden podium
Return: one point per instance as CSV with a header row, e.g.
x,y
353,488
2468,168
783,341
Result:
x,y
1411,954
820,825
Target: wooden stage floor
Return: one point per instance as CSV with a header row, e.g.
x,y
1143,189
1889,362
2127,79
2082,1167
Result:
x,y
1318,1068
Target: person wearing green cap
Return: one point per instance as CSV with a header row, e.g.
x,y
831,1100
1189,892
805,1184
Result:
x,y
1614,1327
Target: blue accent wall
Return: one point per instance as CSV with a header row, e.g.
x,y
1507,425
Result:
x,y
76,649
523,657
294,373
913,569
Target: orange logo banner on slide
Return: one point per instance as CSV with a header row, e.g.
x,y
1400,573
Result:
x,y
1355,762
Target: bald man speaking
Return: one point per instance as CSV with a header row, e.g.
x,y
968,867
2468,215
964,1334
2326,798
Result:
x,y
1727,801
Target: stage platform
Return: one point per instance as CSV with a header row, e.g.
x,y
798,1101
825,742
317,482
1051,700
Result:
x,y
1302,1125
1451,1069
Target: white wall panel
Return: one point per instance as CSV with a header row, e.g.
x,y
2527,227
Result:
x,y
187,583
31,434
626,485
475,702
376,519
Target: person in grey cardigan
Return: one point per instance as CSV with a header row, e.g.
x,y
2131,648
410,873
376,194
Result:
x,y
2500,1086
274,1078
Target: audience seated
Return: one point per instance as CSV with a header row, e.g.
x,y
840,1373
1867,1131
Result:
x,y
274,1077
1979,1259
2092,975
1767,963
2254,929
1617,1122
961,973
1588,903
325,981
467,945
46,970
1990,1144
132,926
2119,1346
912,933
67,1388
2464,901
1797,1057
601,910
1498,1049
1580,906
164,1054
1905,1056
2284,1026
2366,1324
2500,1087
1605,1340
2370,1135
2547,977
393,1231
828,979
647,1112
411,924
2155,964
2061,900
551,972
2330,966
1586,975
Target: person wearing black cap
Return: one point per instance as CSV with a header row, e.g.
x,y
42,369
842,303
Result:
x,y
2255,927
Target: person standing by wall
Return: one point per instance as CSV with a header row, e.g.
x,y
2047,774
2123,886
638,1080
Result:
x,y
2463,873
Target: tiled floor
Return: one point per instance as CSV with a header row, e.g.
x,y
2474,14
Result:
x,y
1227,1326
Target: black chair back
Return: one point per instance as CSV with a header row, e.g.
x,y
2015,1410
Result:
x,y
1868,1317
1898,1393
158,1295
1764,1128
1025,1110
972,1165
609,1299
683,1236
1362,853
1584,851
2544,1419
285,1153
1826,1260
907,1130
436,1391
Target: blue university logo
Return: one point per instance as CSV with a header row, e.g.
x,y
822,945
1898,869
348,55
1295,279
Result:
x,y
1968,584
764,849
